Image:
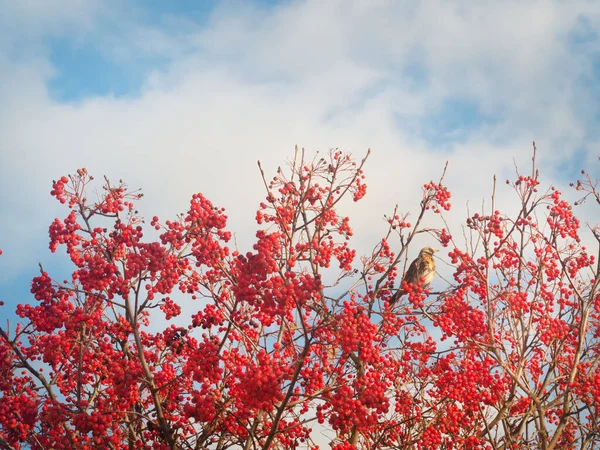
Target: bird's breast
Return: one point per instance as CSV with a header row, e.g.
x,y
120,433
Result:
x,y
428,276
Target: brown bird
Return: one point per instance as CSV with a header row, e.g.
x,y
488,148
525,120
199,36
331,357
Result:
x,y
421,270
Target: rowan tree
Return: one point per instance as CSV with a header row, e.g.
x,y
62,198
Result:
x,y
297,333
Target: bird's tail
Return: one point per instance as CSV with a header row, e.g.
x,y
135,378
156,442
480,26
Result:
x,y
399,293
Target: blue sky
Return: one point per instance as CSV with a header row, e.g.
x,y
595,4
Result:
x,y
184,97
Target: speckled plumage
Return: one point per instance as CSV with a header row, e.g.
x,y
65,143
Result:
x,y
421,270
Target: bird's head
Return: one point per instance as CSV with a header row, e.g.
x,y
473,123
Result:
x,y
427,251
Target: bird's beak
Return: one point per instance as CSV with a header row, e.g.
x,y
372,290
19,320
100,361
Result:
x,y
435,250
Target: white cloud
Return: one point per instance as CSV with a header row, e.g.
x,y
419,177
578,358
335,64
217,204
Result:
x,y
252,83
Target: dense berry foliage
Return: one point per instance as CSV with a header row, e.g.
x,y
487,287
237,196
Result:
x,y
297,336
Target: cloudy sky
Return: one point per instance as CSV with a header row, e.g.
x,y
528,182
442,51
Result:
x,y
184,97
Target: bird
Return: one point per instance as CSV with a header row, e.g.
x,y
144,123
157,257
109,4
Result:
x,y
421,270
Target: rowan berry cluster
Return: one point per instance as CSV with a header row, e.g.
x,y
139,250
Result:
x,y
436,197
58,189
